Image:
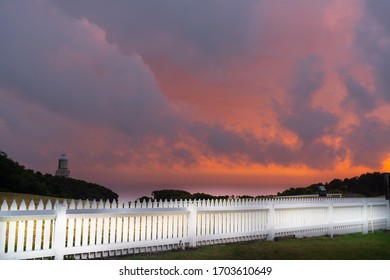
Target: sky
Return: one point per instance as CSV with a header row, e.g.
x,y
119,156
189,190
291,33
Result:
x,y
225,97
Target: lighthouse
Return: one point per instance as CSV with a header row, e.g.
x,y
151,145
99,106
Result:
x,y
62,169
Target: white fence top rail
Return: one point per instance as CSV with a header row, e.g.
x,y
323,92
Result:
x,y
202,205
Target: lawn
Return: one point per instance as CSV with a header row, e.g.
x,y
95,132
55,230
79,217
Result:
x,y
372,246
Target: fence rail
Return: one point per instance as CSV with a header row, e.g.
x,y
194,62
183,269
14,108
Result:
x,y
87,230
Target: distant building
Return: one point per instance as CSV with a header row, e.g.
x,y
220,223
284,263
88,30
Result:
x,y
321,190
62,169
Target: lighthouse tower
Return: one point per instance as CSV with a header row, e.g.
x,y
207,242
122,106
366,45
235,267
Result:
x,y
62,169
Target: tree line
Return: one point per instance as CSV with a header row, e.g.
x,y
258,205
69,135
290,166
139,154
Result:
x,y
16,178
168,194
367,185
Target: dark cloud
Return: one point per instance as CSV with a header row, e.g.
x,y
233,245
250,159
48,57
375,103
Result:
x,y
308,77
70,72
379,10
369,143
372,44
359,97
298,114
367,139
192,33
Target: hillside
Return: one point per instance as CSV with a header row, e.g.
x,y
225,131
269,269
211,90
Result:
x,y
368,185
16,178
365,185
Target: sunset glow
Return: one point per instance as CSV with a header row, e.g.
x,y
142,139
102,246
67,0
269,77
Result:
x,y
223,97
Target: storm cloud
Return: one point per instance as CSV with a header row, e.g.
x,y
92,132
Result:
x,y
141,92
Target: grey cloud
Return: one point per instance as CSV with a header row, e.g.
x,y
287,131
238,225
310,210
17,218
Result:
x,y
368,139
379,9
308,77
213,30
358,96
369,143
70,74
51,71
299,115
372,44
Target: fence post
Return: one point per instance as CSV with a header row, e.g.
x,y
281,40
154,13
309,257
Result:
x,y
271,222
365,218
60,232
330,219
192,225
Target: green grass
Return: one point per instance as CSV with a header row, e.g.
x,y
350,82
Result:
x,y
372,246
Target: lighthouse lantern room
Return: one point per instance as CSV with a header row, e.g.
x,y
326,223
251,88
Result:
x,y
62,169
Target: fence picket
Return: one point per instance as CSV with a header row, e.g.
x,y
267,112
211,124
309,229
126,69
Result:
x,y
119,229
125,230
106,224
71,228
93,223
170,221
113,225
159,227
148,227
200,225
38,230
180,229
165,222
142,225
154,234
137,225
218,222
78,226
12,230
99,225
131,224
47,224
21,230
86,222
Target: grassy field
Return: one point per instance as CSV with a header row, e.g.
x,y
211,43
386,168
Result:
x,y
373,246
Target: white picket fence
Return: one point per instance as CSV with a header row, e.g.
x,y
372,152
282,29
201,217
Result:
x,y
87,230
